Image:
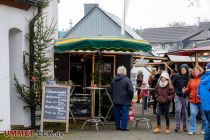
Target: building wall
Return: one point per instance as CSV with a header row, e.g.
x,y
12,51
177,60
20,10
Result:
x,y
96,24
13,27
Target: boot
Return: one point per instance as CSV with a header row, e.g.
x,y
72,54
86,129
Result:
x,y
168,131
185,129
157,129
177,129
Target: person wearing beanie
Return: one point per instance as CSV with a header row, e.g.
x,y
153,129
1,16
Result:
x,y
164,94
204,95
179,82
191,89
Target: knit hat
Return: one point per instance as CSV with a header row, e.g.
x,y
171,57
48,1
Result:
x,y
165,75
208,67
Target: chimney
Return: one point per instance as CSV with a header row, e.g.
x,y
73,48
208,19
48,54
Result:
x,y
88,7
198,21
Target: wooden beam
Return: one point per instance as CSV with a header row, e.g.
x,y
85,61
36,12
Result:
x,y
150,57
15,4
168,66
151,64
134,55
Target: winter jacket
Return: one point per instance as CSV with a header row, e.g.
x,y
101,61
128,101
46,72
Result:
x,y
122,90
139,80
192,88
204,91
180,81
144,92
164,94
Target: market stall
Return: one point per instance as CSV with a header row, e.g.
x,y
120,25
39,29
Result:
x,y
196,53
89,62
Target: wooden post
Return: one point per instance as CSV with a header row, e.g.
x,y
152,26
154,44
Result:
x,y
114,67
93,69
67,113
196,58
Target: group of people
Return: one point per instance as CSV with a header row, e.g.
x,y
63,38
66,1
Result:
x,y
181,89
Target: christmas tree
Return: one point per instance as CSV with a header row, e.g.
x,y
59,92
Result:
x,y
37,61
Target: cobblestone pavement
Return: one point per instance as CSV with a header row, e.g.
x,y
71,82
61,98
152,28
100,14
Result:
x,y
139,133
108,132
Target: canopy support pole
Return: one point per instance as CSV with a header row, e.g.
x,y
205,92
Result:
x,y
93,69
114,67
69,67
196,59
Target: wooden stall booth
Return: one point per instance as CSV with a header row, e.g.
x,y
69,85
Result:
x,y
92,62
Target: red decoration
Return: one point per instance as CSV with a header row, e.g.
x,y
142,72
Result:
x,y
33,79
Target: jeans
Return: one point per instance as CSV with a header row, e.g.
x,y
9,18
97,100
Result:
x,y
145,103
155,103
207,132
180,110
163,109
194,108
121,115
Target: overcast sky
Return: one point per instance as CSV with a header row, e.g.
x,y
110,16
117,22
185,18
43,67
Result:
x,y
141,13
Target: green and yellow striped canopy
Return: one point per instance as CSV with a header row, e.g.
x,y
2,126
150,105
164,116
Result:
x,y
102,43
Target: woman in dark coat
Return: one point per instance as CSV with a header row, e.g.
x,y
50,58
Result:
x,y
122,92
181,101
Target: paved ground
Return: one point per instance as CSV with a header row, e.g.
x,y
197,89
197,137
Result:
x,y
109,133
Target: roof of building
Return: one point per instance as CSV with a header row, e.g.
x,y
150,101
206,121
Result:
x,y
112,17
21,4
176,34
118,21
203,43
181,59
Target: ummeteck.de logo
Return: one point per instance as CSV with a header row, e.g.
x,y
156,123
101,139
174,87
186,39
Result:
x,y
19,133
30,133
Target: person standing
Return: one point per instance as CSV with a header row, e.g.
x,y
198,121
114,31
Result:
x,y
164,94
152,81
180,81
204,95
194,100
144,93
172,76
139,81
122,92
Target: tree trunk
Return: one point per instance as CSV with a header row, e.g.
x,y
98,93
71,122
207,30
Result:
x,y
33,117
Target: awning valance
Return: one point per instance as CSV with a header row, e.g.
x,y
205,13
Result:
x,y
102,44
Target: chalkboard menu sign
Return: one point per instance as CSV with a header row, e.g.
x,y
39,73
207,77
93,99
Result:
x,y
55,104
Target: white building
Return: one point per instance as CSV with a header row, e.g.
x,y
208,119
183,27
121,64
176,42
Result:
x,y
13,28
